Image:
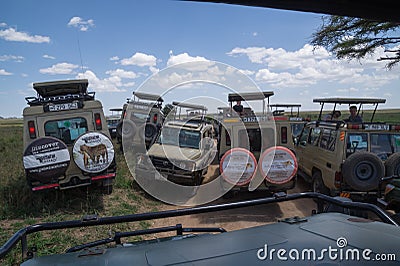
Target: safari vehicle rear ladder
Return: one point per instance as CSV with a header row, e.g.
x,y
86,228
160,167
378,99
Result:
x,y
349,101
60,92
93,220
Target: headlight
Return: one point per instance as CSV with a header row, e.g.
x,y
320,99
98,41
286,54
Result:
x,y
187,165
143,160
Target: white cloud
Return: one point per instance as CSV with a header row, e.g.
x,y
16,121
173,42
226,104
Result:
x,y
183,58
122,73
3,72
59,69
48,56
81,24
102,85
140,59
114,58
15,58
11,34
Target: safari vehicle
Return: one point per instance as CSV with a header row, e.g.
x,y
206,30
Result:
x,y
141,119
66,140
288,123
184,148
339,156
334,237
112,122
255,133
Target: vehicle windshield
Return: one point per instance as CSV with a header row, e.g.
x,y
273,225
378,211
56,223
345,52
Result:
x,y
180,137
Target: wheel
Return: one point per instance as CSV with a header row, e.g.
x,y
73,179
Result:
x,y
128,129
392,164
150,131
318,184
363,170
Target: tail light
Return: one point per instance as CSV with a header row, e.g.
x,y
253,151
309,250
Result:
x,y
155,118
283,134
32,129
338,179
395,127
354,126
97,121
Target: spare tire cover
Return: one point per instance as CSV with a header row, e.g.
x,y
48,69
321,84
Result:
x,y
93,152
278,165
238,166
392,164
46,158
150,130
363,170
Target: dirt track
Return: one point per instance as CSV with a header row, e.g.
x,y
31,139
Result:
x,y
244,217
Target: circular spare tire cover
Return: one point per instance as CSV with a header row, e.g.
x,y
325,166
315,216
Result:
x,y
128,129
278,165
363,170
238,166
93,152
392,164
46,158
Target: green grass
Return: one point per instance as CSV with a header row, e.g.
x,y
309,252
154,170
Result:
x,y
20,207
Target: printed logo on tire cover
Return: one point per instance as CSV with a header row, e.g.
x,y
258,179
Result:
x,y
283,167
238,166
93,152
46,158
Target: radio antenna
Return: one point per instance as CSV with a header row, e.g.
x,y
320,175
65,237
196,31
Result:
x,y
79,49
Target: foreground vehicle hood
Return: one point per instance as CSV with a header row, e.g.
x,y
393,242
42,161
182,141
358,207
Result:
x,y
174,152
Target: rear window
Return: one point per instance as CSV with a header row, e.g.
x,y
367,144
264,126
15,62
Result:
x,y
385,143
66,130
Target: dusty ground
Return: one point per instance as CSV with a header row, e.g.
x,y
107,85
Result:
x,y
244,217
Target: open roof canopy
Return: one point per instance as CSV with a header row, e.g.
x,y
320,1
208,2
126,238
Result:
x,y
249,96
339,100
148,96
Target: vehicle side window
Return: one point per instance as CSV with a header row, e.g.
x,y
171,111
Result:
x,y
328,139
304,136
356,142
314,136
66,130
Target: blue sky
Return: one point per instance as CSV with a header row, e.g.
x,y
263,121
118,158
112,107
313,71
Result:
x,y
118,45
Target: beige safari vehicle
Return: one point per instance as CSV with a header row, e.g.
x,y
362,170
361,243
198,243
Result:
x,y
183,150
339,156
66,140
255,133
141,119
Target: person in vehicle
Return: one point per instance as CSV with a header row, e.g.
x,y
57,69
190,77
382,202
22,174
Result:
x,y
238,107
334,116
354,117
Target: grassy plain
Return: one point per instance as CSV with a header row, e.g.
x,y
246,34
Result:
x,y
19,207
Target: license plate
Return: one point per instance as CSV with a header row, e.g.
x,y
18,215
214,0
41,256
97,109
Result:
x,y
63,107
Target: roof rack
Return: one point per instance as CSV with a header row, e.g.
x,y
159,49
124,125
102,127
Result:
x,y
289,105
60,92
249,96
191,109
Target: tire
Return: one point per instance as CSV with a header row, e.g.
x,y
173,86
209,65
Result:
x,y
318,184
150,131
129,129
363,170
392,164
